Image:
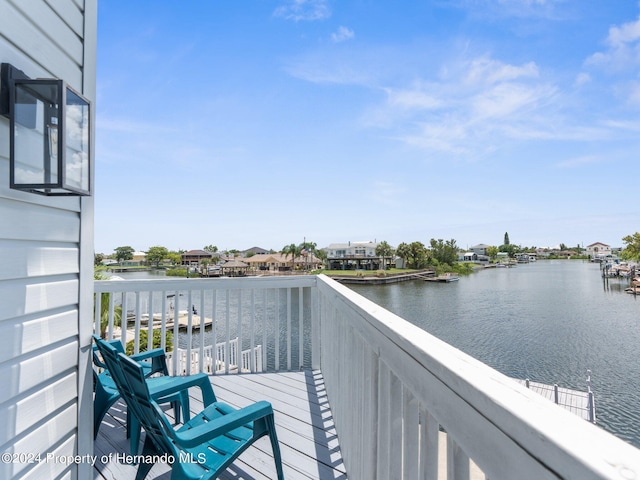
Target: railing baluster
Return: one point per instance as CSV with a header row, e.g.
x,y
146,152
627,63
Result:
x,y
300,327
228,331
429,432
176,310
252,328
410,441
150,321
163,320
277,329
264,329
289,328
202,333
136,335
457,461
238,361
214,331
123,320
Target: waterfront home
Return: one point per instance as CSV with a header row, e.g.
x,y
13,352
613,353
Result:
x,y
390,389
354,256
195,257
598,250
278,262
480,249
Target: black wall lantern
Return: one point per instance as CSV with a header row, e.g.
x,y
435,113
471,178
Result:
x,y
49,134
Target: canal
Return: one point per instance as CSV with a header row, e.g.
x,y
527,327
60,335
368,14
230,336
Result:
x,y
549,321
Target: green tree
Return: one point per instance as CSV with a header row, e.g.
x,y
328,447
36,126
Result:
x,y
506,238
632,249
444,252
124,253
157,341
414,254
174,257
155,255
384,250
211,249
403,252
492,252
97,258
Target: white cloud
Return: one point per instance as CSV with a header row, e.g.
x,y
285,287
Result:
x,y
579,161
489,71
343,34
582,79
309,10
624,48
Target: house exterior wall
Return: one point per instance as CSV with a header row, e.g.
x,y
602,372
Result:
x,y
46,253
598,249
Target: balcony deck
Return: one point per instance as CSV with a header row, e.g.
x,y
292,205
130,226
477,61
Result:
x,y
304,423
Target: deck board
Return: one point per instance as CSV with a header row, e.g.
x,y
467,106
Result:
x,y
307,436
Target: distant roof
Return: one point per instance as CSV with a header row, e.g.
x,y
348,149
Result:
x,y
200,253
598,243
255,250
481,245
352,244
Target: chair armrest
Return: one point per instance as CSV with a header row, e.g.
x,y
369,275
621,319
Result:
x,y
204,432
158,360
155,352
160,387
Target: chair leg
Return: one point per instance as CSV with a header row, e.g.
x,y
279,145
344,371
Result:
x,y
148,450
277,457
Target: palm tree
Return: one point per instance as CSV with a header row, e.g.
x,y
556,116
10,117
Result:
x,y
384,250
293,250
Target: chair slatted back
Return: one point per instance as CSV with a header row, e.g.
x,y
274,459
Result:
x,y
133,388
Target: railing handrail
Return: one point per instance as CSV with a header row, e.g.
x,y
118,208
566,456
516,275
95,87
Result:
x,y
509,431
392,386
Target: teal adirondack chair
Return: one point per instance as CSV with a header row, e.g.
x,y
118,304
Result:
x,y
204,446
106,392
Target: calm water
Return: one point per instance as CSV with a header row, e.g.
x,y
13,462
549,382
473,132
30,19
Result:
x,y
548,321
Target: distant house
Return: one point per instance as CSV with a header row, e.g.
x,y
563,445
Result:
x,y
354,256
598,250
138,259
195,257
275,262
468,257
480,249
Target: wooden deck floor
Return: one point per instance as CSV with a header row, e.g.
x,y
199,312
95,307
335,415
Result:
x,y
307,436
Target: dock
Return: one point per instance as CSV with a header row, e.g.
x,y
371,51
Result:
x,y
385,279
577,402
197,321
445,278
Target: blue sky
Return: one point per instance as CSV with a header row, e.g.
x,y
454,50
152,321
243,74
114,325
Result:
x,y
267,122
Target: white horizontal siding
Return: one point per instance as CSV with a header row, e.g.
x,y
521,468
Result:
x,y
36,29
33,259
60,428
24,335
23,297
34,371
46,258
19,418
23,221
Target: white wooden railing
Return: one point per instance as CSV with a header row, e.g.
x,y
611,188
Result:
x,y
405,404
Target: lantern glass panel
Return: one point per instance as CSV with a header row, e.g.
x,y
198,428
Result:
x,y
76,142
35,135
